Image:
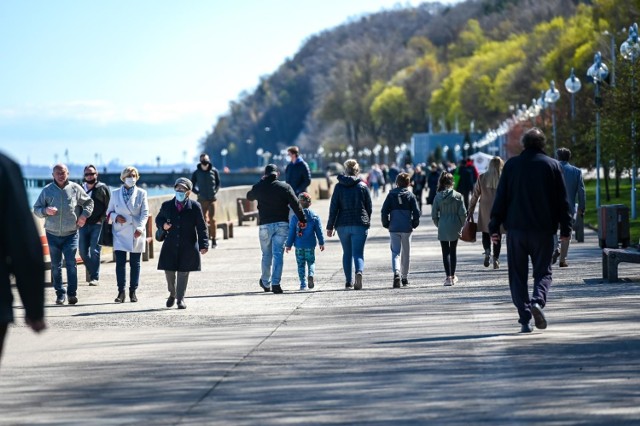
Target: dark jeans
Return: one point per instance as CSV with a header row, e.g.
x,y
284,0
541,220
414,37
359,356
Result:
x,y
352,239
520,246
90,249
121,263
3,333
67,247
486,244
449,257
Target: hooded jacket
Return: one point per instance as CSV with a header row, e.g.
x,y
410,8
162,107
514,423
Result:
x,y
350,203
448,213
400,211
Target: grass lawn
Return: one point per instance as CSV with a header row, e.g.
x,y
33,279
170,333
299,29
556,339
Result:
x,y
591,215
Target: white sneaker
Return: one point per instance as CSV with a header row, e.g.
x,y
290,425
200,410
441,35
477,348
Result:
x,y
94,283
448,282
454,280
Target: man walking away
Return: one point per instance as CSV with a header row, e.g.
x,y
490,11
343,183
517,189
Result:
x,y
531,200
297,173
206,183
575,194
274,199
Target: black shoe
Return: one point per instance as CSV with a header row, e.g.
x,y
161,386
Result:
x,y
487,260
170,301
538,316
181,304
310,281
266,289
132,296
60,299
214,244
73,300
396,281
358,283
348,285
121,297
556,255
405,282
526,328
276,289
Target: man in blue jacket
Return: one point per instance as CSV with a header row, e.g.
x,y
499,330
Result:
x,y
531,201
297,173
400,215
575,194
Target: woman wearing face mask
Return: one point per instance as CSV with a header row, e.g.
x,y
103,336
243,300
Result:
x,y
128,211
186,238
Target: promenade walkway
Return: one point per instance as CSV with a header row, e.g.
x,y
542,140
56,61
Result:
x,y
424,354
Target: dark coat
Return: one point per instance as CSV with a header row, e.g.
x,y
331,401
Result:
x,y
467,179
298,175
187,236
274,199
101,195
432,183
350,203
531,196
20,247
206,182
400,211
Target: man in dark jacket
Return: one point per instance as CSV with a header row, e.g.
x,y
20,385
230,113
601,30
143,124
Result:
x,y
400,215
20,252
466,181
89,234
185,239
531,200
274,199
206,183
297,173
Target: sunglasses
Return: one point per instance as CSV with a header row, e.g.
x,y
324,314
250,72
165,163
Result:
x,y
90,174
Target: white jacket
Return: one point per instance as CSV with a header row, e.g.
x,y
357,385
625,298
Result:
x,y
136,212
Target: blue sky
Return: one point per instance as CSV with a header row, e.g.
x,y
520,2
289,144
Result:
x,y
133,80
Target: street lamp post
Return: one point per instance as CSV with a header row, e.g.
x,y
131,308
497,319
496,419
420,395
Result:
x,y
630,50
597,73
259,153
551,97
223,154
573,85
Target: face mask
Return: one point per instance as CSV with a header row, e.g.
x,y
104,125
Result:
x,y
181,196
129,181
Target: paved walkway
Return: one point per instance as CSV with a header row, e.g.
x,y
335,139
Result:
x,y
425,354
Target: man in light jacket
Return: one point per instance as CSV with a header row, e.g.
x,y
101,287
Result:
x,y
65,206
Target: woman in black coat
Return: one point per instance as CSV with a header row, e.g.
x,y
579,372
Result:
x,y
185,239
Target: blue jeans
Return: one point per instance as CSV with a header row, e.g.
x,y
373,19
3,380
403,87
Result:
x,y
67,246
273,236
90,249
121,273
352,239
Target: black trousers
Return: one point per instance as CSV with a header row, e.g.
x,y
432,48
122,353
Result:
x,y
449,257
486,244
522,245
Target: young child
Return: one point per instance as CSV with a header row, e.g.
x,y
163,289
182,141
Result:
x,y
305,241
400,215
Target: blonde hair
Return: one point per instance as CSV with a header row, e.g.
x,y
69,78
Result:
x,y
351,167
127,171
492,175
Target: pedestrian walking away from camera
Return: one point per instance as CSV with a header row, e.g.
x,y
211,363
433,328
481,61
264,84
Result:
x,y
274,200
128,211
206,183
400,215
65,207
531,201
350,216
20,252
185,239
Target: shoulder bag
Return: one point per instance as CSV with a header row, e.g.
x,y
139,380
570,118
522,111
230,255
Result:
x,y
469,230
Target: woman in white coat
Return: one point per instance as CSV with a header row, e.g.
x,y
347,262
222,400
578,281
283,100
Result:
x,y
128,212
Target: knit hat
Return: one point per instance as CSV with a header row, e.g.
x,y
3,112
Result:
x,y
305,199
184,182
271,169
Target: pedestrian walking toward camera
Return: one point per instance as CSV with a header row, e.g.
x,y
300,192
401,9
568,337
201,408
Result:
x,y
531,201
274,199
418,183
448,213
185,239
65,207
89,234
20,252
400,215
206,183
305,240
128,211
485,192
350,216
297,173
575,195
432,182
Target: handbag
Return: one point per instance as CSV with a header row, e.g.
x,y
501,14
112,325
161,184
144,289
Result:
x,y
106,234
469,230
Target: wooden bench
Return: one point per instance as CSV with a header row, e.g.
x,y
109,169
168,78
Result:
x,y
246,210
148,245
227,229
612,257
